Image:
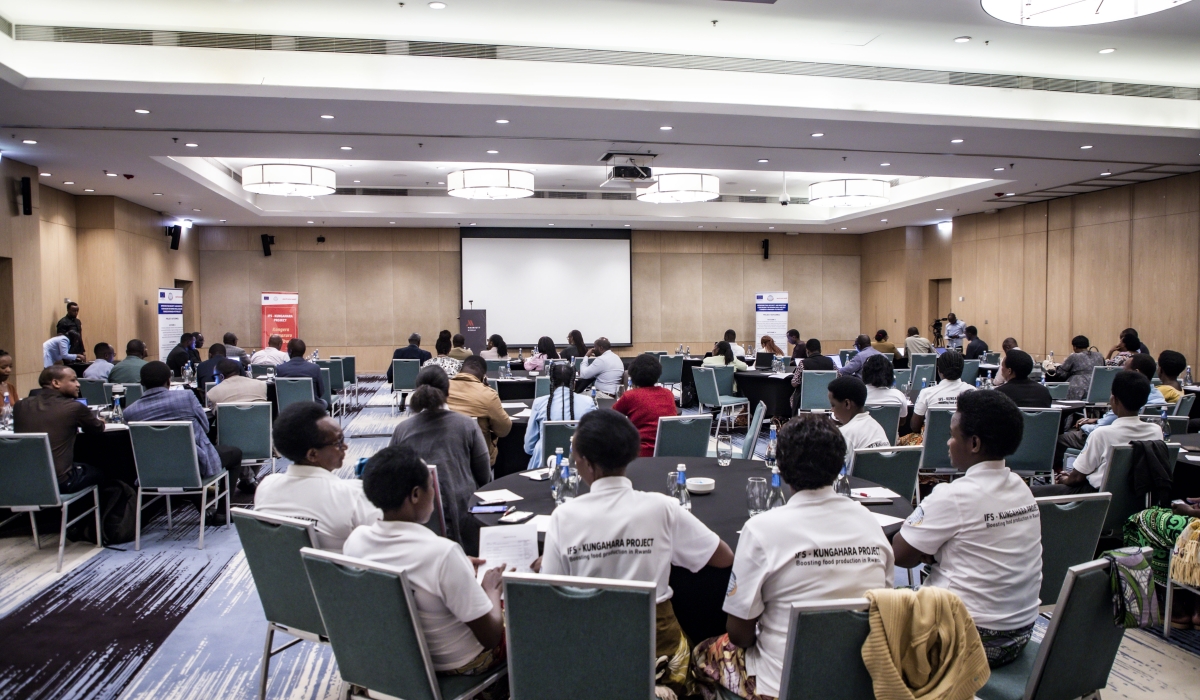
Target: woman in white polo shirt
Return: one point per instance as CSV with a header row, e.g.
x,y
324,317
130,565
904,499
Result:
x,y
879,377
820,546
846,397
981,533
460,618
616,532
944,394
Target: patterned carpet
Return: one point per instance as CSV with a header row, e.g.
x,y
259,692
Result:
x,y
173,622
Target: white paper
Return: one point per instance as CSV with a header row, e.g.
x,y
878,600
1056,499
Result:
x,y
498,496
874,492
1192,458
513,404
510,546
523,414
885,520
541,521
536,474
781,375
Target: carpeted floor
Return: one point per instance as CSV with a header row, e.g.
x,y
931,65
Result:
x,y
176,623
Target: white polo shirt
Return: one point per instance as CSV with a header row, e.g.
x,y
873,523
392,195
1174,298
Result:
x,y
819,546
443,582
335,506
616,532
1093,460
269,356
985,532
944,394
890,396
863,432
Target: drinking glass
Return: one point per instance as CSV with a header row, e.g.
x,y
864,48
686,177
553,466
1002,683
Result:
x,y
756,495
724,450
672,484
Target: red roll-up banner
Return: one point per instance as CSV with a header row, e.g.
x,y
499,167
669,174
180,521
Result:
x,y
280,316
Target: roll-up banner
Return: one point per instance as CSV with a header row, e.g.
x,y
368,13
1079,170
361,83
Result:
x,y
280,316
170,319
770,317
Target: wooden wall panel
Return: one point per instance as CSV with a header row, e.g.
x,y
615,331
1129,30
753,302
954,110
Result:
x,y
1059,285
227,302
1032,335
683,297
646,278
841,282
369,297
413,275
758,275
723,299
1100,280
1167,248
803,278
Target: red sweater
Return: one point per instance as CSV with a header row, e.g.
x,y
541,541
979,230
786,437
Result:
x,y
644,407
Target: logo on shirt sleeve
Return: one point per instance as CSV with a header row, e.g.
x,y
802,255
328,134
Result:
x,y
731,589
916,517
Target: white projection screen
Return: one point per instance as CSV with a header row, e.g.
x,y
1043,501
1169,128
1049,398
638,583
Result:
x,y
534,283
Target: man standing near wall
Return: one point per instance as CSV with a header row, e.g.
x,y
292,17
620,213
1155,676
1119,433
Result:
x,y
69,323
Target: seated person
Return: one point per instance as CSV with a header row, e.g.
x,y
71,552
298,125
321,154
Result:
x,y
814,361
1159,528
496,348
604,367
54,411
454,443
1026,393
1171,364
471,396
865,352
448,364
1006,346
879,377
102,366
1077,437
646,403
975,345
232,350
916,344
766,580
129,370
462,620
981,533
181,355
297,366
159,403
882,344
459,350
613,513
944,394
235,387
207,371
847,395
412,351
272,355
767,344
793,339
309,489
731,338
6,372
1076,370
562,403
723,356
545,351
1129,392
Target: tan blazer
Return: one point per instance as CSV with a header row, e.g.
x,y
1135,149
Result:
x,y
459,353
473,398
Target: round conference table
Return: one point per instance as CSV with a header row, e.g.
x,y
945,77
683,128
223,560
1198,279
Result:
x,y
698,597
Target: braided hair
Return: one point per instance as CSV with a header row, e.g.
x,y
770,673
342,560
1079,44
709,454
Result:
x,y
562,376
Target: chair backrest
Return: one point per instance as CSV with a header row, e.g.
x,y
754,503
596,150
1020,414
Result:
x,y
824,641
576,362
970,371
550,660
92,390
495,365
289,390
683,436
1116,482
246,426
555,434
724,377
1184,406
902,376
991,358
541,387
493,385
348,368
891,467
164,454
404,374
1070,530
1081,642
845,355
752,431
1155,409
672,369
133,392
272,544
326,391
706,386
27,476
888,417
337,376
814,389
935,454
1038,439
923,373
371,618
920,359
1101,387
1058,390
1178,424
257,371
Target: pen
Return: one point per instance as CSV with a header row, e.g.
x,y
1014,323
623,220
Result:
x,y
509,511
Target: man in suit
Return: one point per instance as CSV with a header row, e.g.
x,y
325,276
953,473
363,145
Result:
x,y
412,352
181,354
69,323
297,366
233,352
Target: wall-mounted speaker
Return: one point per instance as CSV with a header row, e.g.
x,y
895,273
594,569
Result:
x,y
766,246
175,232
27,196
267,242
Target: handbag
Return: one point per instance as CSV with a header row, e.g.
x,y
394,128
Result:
x,y
1134,601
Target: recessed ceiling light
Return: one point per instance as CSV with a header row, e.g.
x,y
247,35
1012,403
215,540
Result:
x,y
1107,50
69,182
441,183
347,148
493,152
1010,194
884,165
962,39
111,174
817,135
843,228
89,190
31,142
771,228
142,111
549,224
327,116
939,210
192,145
884,220
956,140
472,223
753,190
500,121
391,222
199,210
665,128
626,225
157,194
1105,174
224,220
1084,148
310,222
997,169
44,174
763,160
437,5
699,227
357,181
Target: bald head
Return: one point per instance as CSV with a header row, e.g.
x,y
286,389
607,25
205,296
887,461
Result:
x,y
275,341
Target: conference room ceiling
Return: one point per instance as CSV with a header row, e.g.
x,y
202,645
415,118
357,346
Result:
x,y
406,115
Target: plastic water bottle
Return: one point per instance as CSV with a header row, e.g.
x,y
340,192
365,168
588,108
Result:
x,y
771,445
117,415
316,354
1043,378
775,497
687,352
6,413
217,378
978,383
924,383
359,466
842,484
556,475
565,489
1187,376
681,492
1166,425
593,393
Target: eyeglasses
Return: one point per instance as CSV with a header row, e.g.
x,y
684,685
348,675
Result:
x,y
339,441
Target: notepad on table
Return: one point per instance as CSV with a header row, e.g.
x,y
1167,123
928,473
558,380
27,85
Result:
x,y
498,496
513,404
885,520
874,492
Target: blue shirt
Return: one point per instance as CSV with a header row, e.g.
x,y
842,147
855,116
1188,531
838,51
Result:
x,y
57,349
955,332
299,367
533,433
855,364
161,403
100,369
